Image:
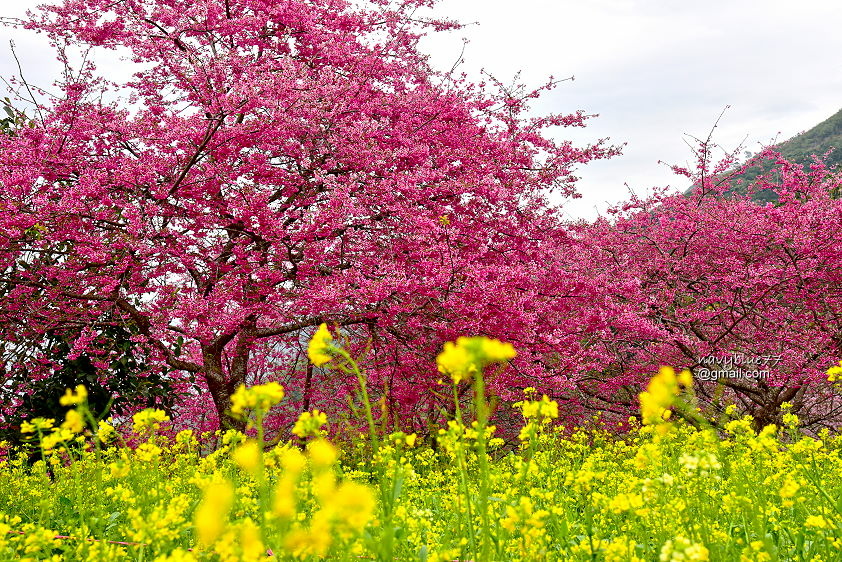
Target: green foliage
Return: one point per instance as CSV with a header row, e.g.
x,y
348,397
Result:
x,y
8,121
12,119
125,383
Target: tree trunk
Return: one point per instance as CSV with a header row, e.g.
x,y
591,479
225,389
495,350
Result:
x,y
221,388
307,383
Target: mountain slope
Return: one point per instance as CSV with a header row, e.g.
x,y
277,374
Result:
x,y
800,149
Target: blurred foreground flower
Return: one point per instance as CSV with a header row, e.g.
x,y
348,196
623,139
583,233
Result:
x,y
260,397
247,456
319,349
660,394
468,356
834,374
71,398
211,516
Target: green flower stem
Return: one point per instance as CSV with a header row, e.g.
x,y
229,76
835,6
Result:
x,y
386,485
463,472
482,421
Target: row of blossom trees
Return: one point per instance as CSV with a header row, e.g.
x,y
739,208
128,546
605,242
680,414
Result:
x,y
272,166
723,284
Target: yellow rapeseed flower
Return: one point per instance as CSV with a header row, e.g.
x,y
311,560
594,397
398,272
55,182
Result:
x,y
835,373
119,469
468,356
260,397
71,399
247,456
319,350
315,541
790,420
789,488
150,418
212,514
681,549
495,351
251,541
59,435
105,431
660,394
323,485
621,549
544,408
73,421
310,424
148,452
354,505
293,461
284,502
36,424
816,521
322,453
455,361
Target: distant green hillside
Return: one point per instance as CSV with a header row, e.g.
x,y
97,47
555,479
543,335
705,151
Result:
x,y
818,140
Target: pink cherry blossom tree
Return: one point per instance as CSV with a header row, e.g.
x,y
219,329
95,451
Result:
x,y
274,165
720,283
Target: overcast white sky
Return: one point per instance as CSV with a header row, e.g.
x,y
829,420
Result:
x,y
654,70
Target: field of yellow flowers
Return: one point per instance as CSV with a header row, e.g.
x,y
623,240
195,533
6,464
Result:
x,y
664,491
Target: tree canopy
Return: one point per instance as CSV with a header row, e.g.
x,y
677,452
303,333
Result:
x,y
272,166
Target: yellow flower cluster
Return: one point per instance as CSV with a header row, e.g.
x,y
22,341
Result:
x,y
834,374
73,424
59,435
468,356
71,398
682,494
401,439
569,495
73,421
37,425
541,409
320,350
248,456
149,419
210,517
260,398
309,424
660,395
344,509
681,549
105,431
